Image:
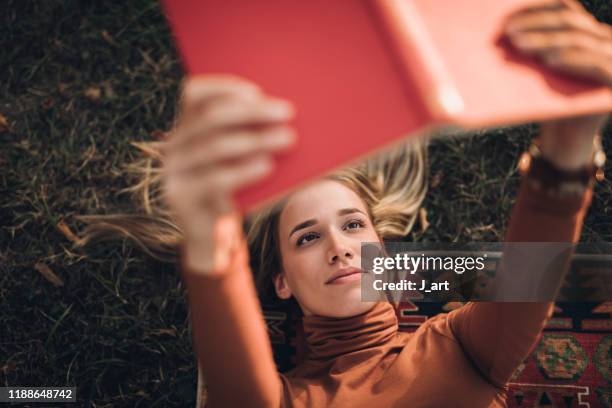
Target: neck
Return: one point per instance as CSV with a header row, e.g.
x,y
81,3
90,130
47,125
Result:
x,y
329,337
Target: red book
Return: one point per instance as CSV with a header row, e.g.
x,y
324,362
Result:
x,y
366,73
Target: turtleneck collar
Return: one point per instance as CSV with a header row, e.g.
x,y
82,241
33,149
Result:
x,y
329,337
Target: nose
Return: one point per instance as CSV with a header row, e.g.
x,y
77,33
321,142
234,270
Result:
x,y
339,248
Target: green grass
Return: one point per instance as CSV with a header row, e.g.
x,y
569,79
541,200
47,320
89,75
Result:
x,y
118,329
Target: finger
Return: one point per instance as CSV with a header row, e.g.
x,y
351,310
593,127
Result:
x,y
190,194
574,5
581,63
230,147
231,114
541,5
199,90
534,43
221,184
556,21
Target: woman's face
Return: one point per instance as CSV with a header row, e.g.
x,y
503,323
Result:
x,y
321,231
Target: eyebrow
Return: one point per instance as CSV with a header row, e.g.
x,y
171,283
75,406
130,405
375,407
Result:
x,y
309,223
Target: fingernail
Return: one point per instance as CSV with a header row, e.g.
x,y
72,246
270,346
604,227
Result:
x,y
263,165
281,137
282,107
511,29
520,41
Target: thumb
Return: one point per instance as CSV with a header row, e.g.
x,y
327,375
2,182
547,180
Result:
x,y
228,236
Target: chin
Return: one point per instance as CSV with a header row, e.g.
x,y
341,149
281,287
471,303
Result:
x,y
350,304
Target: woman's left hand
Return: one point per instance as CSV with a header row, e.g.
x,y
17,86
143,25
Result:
x,y
565,37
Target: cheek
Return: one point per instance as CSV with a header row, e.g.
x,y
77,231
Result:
x,y
301,269
371,235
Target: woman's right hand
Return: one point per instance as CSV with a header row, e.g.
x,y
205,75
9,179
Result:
x,y
226,133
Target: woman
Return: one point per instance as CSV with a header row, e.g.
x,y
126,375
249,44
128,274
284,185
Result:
x,y
307,247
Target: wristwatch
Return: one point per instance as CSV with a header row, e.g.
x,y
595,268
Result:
x,y
543,175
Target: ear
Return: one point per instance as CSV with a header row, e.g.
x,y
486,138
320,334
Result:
x,y
281,287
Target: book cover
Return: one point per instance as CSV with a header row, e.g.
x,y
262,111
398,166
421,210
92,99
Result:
x,y
364,74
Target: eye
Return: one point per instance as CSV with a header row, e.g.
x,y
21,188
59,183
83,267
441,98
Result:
x,y
355,224
306,238
311,236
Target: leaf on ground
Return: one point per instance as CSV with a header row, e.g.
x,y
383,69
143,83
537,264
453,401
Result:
x,y
47,103
4,124
93,93
161,332
48,274
66,231
480,228
107,37
435,180
109,92
423,219
8,367
62,88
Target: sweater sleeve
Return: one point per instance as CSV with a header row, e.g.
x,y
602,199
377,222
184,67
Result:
x,y
498,336
230,337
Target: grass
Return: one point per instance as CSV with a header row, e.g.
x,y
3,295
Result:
x,y
80,80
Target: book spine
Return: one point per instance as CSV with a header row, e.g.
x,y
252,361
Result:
x,y
419,57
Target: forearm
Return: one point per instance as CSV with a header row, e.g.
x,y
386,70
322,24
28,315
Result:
x,y
537,217
497,336
230,337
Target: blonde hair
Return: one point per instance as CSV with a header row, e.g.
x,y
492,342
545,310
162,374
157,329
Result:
x,y
392,185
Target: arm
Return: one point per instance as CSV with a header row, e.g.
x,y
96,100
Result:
x,y
498,336
230,337
565,37
224,140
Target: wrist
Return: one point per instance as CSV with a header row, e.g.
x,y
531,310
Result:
x,y
198,260
212,248
570,144
566,158
559,178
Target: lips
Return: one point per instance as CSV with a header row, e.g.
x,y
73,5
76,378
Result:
x,y
343,275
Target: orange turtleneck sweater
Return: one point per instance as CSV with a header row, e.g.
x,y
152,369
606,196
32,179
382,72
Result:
x,y
459,359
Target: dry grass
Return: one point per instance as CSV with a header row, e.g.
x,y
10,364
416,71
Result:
x,y
80,80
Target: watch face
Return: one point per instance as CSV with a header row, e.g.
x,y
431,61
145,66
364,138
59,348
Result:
x,y
524,163
599,158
